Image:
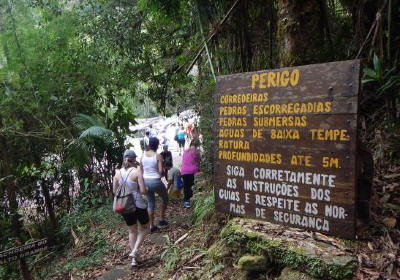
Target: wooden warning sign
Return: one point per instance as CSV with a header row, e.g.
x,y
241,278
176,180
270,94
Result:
x,y
24,251
286,146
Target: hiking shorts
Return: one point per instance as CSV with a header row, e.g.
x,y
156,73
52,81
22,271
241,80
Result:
x,y
181,143
139,215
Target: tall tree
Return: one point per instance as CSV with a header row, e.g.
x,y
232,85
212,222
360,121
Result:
x,y
300,32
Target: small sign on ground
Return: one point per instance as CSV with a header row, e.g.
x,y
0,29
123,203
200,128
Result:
x,y
24,251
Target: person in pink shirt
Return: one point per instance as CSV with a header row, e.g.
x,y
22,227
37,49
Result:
x,y
190,166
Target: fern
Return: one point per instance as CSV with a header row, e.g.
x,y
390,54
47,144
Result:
x,y
204,206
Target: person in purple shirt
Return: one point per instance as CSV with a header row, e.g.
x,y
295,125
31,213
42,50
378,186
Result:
x,y
190,166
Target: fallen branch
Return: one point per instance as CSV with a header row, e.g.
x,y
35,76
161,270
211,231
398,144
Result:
x,y
196,258
372,28
180,239
190,267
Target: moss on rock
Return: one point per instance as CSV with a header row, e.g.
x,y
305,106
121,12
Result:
x,y
218,251
253,263
287,247
290,274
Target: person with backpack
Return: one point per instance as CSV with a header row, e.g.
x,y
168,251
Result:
x,y
167,156
133,178
145,141
152,167
181,139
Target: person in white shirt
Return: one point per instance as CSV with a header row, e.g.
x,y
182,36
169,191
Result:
x,y
152,167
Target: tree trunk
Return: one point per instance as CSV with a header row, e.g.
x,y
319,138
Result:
x,y
270,33
247,42
10,184
49,206
47,198
393,39
300,37
12,200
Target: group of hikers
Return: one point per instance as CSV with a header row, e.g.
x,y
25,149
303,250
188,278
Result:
x,y
146,180
183,135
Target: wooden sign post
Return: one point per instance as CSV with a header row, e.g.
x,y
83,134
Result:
x,y
286,146
24,251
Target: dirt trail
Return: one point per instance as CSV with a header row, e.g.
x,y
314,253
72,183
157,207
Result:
x,y
151,250
118,265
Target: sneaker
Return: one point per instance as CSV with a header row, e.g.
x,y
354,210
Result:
x,y
186,204
162,222
135,254
153,229
134,263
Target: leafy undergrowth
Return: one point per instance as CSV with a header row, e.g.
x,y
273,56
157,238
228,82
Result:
x,y
95,236
379,253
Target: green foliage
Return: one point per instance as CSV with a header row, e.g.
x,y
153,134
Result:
x,y
92,258
384,130
170,256
93,140
175,255
80,219
203,207
373,75
204,106
5,234
385,78
89,228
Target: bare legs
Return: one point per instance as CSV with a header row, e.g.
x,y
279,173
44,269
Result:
x,y
133,235
151,217
137,236
163,208
162,213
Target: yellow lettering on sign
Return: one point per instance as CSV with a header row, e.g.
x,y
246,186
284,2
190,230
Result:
x,y
275,79
329,162
231,133
280,121
292,108
280,134
285,78
232,110
250,157
271,79
243,98
329,134
301,160
232,121
234,144
262,80
257,133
